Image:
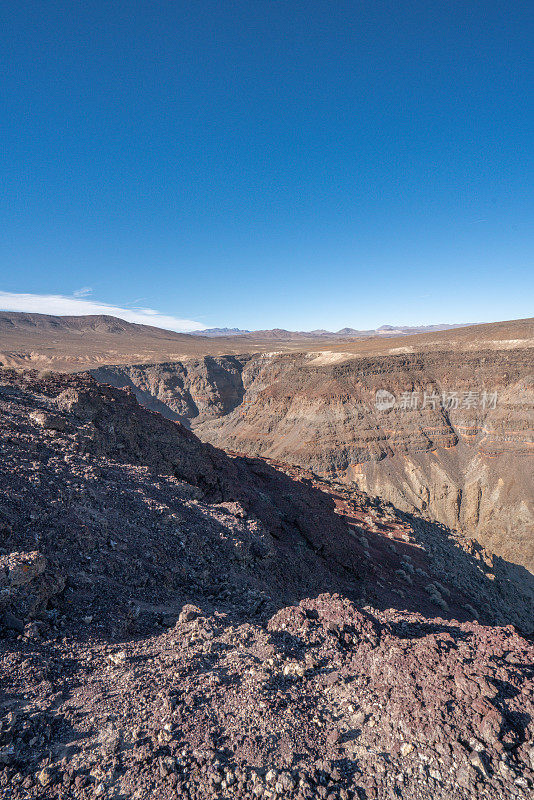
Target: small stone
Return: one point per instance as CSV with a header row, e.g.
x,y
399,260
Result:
x,y
358,718
271,776
44,777
406,748
189,613
7,754
50,422
333,737
478,763
491,726
464,777
117,658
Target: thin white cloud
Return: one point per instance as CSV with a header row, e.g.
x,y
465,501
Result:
x,y
62,305
83,292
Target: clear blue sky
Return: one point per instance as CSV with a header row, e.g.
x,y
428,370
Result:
x,y
269,163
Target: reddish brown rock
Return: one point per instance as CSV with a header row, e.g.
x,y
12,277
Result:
x,y
216,620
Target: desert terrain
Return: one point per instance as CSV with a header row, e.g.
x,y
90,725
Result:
x,y
267,401
70,344
179,622
463,458
301,573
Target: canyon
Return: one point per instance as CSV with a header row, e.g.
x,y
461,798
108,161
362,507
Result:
x,y
456,445
304,573
177,621
463,458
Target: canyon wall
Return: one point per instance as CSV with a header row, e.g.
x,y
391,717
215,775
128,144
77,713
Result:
x,y
451,435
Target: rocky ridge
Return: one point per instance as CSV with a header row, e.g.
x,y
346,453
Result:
x,y
181,622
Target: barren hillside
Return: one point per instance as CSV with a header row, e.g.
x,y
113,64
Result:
x,y
176,622
70,344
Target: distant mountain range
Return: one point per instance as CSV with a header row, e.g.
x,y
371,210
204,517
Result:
x,y
344,333
72,343
11,321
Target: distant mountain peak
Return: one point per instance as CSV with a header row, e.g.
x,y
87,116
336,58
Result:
x,y
221,332
343,333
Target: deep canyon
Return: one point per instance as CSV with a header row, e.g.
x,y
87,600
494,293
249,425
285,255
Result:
x,y
456,444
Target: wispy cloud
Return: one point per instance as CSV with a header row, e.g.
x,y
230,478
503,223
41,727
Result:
x,y
85,291
63,305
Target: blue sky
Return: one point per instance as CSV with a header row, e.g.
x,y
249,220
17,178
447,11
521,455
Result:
x,y
268,163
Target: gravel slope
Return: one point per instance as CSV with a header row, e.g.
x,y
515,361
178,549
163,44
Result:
x,y
177,622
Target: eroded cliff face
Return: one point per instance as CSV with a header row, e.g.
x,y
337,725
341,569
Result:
x,y
191,391
452,437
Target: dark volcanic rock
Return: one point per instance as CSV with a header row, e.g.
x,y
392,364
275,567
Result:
x,y
181,623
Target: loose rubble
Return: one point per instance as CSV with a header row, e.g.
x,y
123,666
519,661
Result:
x,y
177,622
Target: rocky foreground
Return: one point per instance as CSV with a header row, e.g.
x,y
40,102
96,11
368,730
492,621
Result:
x,y
179,622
